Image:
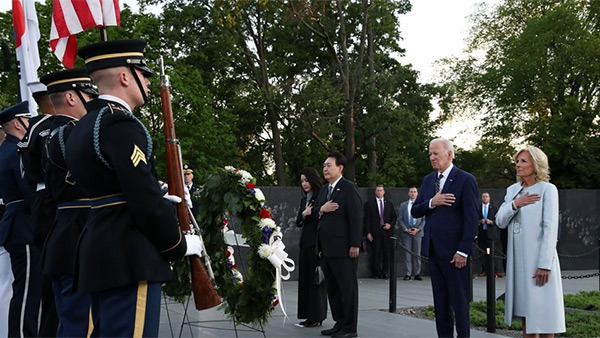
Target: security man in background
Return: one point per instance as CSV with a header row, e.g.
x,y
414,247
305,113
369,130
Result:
x,y
16,232
132,231
69,90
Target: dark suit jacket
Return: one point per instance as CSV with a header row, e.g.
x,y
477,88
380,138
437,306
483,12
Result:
x,y
372,216
493,232
340,229
451,228
308,224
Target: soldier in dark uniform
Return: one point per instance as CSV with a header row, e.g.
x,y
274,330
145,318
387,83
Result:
x,y
132,231
69,90
188,180
43,208
16,233
6,277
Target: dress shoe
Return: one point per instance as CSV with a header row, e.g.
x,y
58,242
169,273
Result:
x,y
331,331
311,324
344,334
498,275
418,277
407,277
482,274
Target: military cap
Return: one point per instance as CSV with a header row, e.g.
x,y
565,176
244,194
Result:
x,y
12,112
188,169
115,53
69,79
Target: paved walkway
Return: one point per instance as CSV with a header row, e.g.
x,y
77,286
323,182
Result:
x,y
373,318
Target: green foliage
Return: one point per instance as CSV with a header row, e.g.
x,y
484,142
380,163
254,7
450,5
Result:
x,y
585,300
579,321
537,84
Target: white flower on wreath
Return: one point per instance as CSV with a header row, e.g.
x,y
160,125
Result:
x,y
246,177
258,194
264,251
229,168
267,222
238,276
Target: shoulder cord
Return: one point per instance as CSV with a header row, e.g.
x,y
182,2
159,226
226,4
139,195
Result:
x,y
97,134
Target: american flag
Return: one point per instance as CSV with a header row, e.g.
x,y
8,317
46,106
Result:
x,y
70,17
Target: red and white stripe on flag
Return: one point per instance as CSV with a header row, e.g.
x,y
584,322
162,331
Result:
x,y
27,35
70,17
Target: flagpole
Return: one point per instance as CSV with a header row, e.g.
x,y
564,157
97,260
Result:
x,y
103,35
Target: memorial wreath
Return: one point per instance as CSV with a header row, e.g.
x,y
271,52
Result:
x,y
231,193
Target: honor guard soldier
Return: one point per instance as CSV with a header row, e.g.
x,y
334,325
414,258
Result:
x,y
43,208
16,233
132,231
188,180
69,90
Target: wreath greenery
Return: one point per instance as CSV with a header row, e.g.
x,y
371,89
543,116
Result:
x,y
226,194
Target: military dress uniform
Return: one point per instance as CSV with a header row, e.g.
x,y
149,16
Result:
x,y
132,231
43,208
59,251
16,234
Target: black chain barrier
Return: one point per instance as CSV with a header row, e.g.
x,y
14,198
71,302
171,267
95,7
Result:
x,y
483,253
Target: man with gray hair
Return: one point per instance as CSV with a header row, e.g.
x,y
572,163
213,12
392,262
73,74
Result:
x,y
448,201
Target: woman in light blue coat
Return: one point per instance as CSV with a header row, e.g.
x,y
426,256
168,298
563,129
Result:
x,y
530,211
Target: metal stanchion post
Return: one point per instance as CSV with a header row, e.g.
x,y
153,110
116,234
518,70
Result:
x,y
392,275
491,287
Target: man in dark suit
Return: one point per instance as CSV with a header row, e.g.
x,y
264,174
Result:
x,y
339,237
380,215
489,232
448,200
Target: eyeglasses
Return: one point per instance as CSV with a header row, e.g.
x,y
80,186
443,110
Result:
x,y
187,173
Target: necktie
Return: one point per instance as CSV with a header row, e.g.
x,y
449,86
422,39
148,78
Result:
x,y
485,216
381,222
411,220
329,192
437,183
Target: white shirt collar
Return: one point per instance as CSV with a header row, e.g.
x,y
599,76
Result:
x,y
113,98
336,182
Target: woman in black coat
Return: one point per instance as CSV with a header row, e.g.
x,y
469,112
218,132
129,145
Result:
x,y
312,299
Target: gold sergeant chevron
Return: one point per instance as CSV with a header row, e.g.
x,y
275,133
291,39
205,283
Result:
x,y
137,156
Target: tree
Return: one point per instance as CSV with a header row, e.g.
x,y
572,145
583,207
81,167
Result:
x,y
538,82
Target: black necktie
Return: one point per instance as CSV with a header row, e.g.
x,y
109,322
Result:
x,y
329,192
437,183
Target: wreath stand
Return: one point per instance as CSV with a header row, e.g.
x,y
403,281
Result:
x,y
213,323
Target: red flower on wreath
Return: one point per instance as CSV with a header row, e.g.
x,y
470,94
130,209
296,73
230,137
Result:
x,y
250,185
264,213
276,302
225,221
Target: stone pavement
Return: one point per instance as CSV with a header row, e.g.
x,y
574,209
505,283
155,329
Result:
x,y
374,320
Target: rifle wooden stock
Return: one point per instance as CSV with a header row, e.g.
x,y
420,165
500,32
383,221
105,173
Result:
x,y
205,295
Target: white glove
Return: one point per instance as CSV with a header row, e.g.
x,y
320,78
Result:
x,y
187,196
173,198
194,245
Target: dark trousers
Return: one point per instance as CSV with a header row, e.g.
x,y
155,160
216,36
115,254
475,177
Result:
x,y
129,311
25,302
450,295
381,248
342,291
73,309
312,299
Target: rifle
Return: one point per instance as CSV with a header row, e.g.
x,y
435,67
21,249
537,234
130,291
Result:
x,y
205,295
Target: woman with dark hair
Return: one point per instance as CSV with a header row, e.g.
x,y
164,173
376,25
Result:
x,y
312,299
